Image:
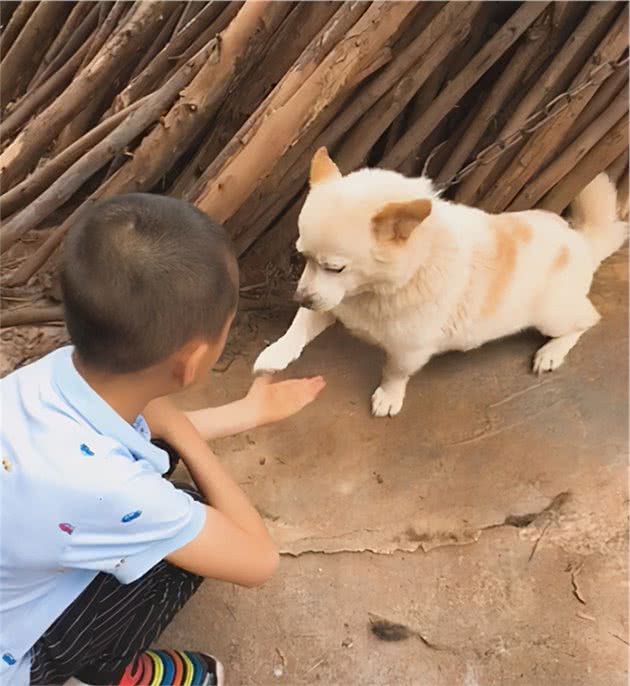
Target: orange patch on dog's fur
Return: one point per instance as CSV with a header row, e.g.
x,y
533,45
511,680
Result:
x,y
562,258
509,232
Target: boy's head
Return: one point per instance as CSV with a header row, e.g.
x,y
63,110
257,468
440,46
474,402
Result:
x,y
147,278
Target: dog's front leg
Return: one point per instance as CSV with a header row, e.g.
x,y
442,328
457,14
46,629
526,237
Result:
x,y
306,326
388,398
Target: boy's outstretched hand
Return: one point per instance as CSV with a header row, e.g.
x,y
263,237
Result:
x,y
272,401
267,401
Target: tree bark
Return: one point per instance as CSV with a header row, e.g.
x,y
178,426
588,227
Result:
x,y
569,158
35,184
506,36
290,173
340,23
556,77
544,142
161,63
31,315
198,102
299,28
22,155
97,157
276,132
530,45
613,144
21,61
42,95
71,26
17,22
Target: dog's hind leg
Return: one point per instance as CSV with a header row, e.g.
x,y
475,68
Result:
x,y
388,398
565,332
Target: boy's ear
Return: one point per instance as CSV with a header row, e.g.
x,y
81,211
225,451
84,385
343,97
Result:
x,y
397,220
190,361
323,168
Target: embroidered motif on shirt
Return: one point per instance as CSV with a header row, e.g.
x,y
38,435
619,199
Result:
x,y
131,516
9,659
66,528
6,464
86,450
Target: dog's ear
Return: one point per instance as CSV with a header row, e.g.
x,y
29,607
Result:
x,y
397,220
323,168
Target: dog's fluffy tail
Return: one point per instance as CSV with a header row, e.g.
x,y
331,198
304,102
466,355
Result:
x,y
594,213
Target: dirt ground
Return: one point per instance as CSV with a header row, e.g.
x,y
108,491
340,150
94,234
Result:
x,y
489,519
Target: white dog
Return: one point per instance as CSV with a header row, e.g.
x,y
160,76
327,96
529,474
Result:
x,y
418,275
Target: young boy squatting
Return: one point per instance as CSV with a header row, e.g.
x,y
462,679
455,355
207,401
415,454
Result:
x,y
98,551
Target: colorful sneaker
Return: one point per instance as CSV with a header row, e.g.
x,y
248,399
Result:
x,y
173,668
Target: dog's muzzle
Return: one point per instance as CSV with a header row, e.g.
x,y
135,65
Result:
x,y
304,300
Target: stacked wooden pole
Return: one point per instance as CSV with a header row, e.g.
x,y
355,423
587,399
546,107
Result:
x,y
224,103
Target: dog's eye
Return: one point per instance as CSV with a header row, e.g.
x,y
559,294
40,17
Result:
x,y
335,270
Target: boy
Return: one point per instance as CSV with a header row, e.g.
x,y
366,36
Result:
x,y
98,550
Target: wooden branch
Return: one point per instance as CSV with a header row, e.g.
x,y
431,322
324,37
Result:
x,y
21,61
197,103
556,77
528,48
39,258
191,9
569,158
544,142
16,24
599,103
613,144
22,155
63,188
35,184
161,63
21,316
81,39
41,95
275,133
162,38
616,170
65,43
341,22
506,36
290,173
275,245
304,22
97,106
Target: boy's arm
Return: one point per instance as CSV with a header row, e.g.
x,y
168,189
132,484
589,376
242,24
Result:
x,y
265,403
234,544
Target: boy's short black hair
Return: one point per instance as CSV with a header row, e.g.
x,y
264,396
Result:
x,y
142,275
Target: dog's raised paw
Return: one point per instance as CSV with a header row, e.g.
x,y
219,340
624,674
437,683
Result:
x,y
275,358
386,404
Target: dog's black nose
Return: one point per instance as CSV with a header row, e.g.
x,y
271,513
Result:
x,y
303,300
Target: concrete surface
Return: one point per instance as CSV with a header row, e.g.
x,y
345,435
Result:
x,y
489,519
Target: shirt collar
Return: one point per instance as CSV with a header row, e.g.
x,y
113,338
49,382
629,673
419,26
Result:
x,y
101,416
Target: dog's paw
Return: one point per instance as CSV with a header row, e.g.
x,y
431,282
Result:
x,y
550,356
275,358
387,403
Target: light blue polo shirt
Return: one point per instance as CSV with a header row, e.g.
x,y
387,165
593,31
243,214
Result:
x,y
81,492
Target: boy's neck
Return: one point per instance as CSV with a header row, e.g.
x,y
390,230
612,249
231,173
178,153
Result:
x,y
126,394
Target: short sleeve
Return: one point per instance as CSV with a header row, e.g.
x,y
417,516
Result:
x,y
140,522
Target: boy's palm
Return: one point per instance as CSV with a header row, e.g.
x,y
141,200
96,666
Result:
x,y
273,401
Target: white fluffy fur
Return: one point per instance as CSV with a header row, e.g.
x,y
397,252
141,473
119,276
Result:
x,y
462,278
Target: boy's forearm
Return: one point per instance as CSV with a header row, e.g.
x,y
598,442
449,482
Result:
x,y
227,420
215,484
